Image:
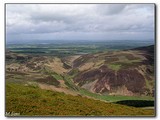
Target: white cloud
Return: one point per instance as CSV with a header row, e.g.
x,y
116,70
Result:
x,y
103,21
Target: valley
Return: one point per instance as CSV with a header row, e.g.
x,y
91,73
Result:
x,y
109,76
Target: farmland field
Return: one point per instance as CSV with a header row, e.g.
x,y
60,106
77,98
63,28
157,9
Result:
x,y
63,48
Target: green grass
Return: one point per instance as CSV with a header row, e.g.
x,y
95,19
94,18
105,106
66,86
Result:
x,y
68,81
123,64
57,76
32,101
74,72
53,74
115,67
112,98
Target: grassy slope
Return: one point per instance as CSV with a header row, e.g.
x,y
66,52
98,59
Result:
x,y
113,98
29,100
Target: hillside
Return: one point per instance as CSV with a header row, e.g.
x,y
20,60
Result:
x,y
28,100
121,77
127,72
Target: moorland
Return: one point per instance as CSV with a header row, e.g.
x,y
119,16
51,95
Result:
x,y
93,78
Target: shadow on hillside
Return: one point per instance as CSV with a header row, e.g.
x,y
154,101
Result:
x,y
137,103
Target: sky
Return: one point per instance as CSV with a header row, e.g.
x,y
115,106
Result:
x,y
79,22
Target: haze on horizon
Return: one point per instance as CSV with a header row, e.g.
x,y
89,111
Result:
x,y
79,22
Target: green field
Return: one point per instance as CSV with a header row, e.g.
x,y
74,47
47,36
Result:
x,y
114,98
63,48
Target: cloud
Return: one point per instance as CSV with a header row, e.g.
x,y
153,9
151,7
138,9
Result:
x,y
71,21
111,9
